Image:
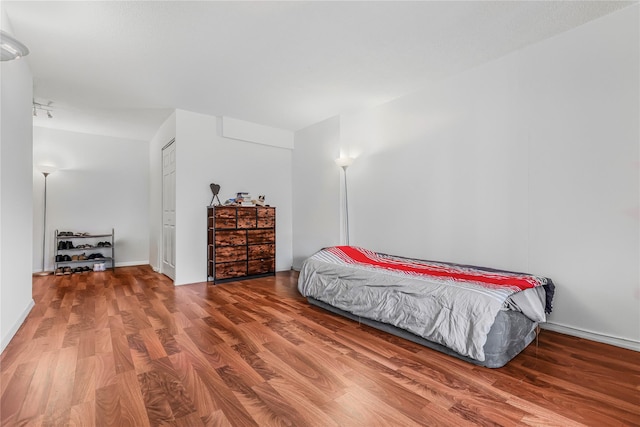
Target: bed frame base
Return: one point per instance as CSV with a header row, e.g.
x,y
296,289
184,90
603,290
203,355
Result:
x,y
511,333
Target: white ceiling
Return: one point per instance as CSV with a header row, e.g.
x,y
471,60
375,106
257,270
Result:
x,y
120,67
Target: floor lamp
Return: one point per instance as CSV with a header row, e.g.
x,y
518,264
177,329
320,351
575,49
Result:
x,y
46,171
344,163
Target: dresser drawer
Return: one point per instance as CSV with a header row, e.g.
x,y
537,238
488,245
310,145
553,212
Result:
x,y
267,250
258,236
266,217
247,217
225,217
262,266
231,237
231,253
228,270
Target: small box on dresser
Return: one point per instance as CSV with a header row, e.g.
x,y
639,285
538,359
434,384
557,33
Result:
x,y
241,242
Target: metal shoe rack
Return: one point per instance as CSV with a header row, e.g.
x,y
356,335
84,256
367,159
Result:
x,y
79,257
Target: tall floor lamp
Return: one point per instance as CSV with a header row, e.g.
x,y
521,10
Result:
x,y
46,171
344,163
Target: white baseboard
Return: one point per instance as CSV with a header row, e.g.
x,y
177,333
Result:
x,y
593,336
7,338
131,263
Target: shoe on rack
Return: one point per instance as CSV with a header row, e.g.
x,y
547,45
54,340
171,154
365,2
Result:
x,y
107,244
59,271
66,270
66,258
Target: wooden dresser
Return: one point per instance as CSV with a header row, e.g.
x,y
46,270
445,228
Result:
x,y
241,242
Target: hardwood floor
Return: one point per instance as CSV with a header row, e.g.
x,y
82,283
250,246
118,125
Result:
x,y
129,349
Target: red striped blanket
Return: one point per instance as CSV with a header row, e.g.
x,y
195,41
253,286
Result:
x,y
483,277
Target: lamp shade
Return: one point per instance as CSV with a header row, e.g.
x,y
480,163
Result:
x,y
47,169
344,162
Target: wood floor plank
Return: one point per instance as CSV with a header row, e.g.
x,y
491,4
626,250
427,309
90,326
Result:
x,y
128,348
105,369
38,392
152,343
84,383
131,400
107,406
61,395
202,400
122,353
82,415
15,395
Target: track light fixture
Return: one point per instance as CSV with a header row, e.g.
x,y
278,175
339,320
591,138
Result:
x,y
42,107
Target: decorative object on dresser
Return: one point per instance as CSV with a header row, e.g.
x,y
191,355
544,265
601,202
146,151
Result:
x,y
83,252
215,189
241,242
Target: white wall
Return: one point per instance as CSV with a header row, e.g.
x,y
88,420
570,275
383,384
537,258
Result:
x,y
16,92
253,132
316,208
530,162
204,156
103,183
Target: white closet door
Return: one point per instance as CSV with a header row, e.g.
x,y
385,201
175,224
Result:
x,y
169,210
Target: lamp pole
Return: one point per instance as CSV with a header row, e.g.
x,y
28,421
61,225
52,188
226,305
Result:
x,y
346,206
46,171
344,163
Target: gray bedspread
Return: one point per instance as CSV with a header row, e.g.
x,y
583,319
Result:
x,y
456,314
